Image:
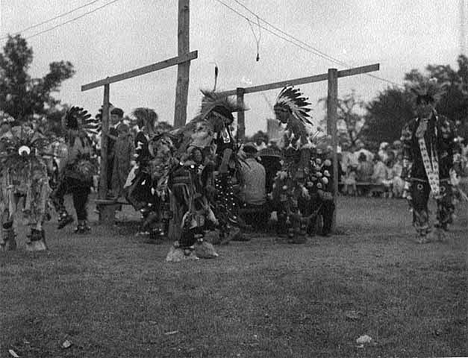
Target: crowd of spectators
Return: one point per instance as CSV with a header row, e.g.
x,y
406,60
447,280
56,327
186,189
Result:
x,y
361,169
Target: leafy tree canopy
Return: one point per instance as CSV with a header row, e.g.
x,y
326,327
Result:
x,y
350,122
22,96
393,107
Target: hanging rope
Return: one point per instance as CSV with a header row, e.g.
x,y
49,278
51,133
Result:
x,y
257,38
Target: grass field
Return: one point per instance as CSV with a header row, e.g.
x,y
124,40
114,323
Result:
x,y
111,294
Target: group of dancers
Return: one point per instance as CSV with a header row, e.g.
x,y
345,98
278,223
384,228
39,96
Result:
x,y
187,176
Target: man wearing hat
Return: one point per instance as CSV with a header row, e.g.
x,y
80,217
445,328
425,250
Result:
x,y
253,191
428,150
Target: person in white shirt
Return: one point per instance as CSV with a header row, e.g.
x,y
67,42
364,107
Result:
x,y
253,191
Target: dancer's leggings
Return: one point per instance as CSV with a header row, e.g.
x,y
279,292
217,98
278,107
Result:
x,y
80,191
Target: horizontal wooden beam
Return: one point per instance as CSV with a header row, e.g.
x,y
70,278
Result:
x,y
142,70
358,70
303,80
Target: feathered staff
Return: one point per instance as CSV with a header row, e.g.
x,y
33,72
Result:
x,y
216,77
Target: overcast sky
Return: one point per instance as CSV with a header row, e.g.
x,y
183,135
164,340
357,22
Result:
x,y
127,34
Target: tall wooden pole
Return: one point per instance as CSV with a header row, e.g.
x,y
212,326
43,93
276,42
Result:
x,y
183,69
104,143
240,115
106,213
332,110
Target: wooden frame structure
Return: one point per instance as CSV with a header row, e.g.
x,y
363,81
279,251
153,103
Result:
x,y
332,106
182,61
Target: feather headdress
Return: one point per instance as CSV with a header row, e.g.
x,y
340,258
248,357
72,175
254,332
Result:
x,y
430,90
293,100
24,147
79,119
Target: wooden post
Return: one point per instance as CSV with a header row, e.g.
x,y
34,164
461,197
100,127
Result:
x,y
106,212
240,115
183,69
332,109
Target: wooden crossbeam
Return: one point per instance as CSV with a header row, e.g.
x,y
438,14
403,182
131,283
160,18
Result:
x,y
141,71
303,80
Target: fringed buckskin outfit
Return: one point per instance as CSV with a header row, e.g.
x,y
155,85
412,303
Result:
x,y
24,175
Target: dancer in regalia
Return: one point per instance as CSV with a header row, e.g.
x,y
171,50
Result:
x,y
77,169
24,152
202,180
291,109
428,149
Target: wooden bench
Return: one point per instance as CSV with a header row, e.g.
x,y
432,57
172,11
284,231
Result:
x,y
106,202
369,187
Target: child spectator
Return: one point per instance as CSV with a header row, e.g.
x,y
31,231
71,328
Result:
x,y
365,169
380,170
349,181
124,149
388,181
383,152
398,182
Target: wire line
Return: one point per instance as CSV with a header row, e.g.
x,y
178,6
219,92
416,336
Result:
x,y
298,42
74,19
69,21
52,19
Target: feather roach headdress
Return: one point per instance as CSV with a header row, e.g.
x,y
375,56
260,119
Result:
x,y
430,91
148,116
79,119
292,99
214,102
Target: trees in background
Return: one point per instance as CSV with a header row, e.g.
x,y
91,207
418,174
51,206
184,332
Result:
x,y
386,116
350,121
22,96
387,113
